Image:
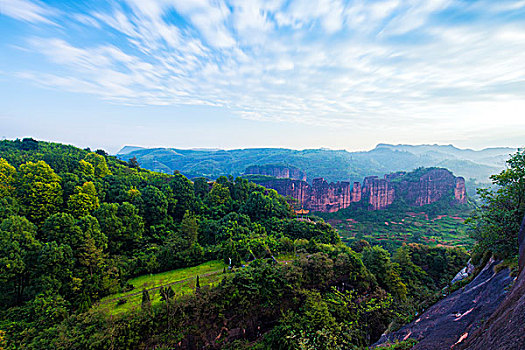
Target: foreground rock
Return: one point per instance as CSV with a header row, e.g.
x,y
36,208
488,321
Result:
x,y
505,329
447,323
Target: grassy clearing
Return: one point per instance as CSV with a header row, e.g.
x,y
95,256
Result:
x,y
181,280
185,287
160,279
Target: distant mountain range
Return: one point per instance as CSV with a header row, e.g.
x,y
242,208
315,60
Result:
x,y
333,165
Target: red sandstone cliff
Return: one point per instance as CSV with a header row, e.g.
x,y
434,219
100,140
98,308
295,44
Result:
x,y
355,195
460,193
432,186
416,190
319,196
380,193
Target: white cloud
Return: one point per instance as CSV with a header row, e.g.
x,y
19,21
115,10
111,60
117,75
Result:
x,y
27,11
303,13
414,15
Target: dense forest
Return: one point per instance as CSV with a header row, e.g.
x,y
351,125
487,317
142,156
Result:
x,y
77,225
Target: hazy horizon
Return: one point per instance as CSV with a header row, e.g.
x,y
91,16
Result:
x,y
116,150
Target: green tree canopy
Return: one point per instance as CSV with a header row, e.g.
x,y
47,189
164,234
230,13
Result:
x,y
18,256
84,201
496,224
7,178
99,164
39,190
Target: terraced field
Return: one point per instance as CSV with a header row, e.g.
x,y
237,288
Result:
x,y
410,227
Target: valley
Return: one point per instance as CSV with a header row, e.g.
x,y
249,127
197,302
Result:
x,y
129,258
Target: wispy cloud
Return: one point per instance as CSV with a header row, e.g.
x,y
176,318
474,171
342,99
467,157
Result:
x,y
324,62
29,11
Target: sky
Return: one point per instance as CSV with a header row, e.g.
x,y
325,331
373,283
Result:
x,y
263,73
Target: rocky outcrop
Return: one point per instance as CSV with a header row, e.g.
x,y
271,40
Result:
x,y
460,193
464,273
505,328
424,186
432,186
380,192
328,197
355,195
319,196
482,315
278,171
444,325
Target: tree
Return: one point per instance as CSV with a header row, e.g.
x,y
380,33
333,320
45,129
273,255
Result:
x,y
62,228
90,256
166,293
7,178
84,201
29,144
377,261
18,255
8,206
496,224
201,187
146,301
133,163
197,284
39,190
122,225
87,169
218,195
155,206
183,196
54,269
99,164
189,228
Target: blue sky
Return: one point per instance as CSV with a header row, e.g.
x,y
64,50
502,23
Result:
x,y
256,73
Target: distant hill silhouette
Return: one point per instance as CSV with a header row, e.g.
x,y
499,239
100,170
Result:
x,y
333,165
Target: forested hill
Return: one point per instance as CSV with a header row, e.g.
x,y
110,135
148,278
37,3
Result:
x,y
95,221
332,165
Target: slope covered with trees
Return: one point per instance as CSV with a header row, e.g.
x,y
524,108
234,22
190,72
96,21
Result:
x,y
76,225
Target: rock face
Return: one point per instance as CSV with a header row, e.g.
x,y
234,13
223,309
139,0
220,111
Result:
x,y
445,323
482,315
278,171
355,195
380,192
432,186
460,193
464,273
319,196
328,197
505,328
425,187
